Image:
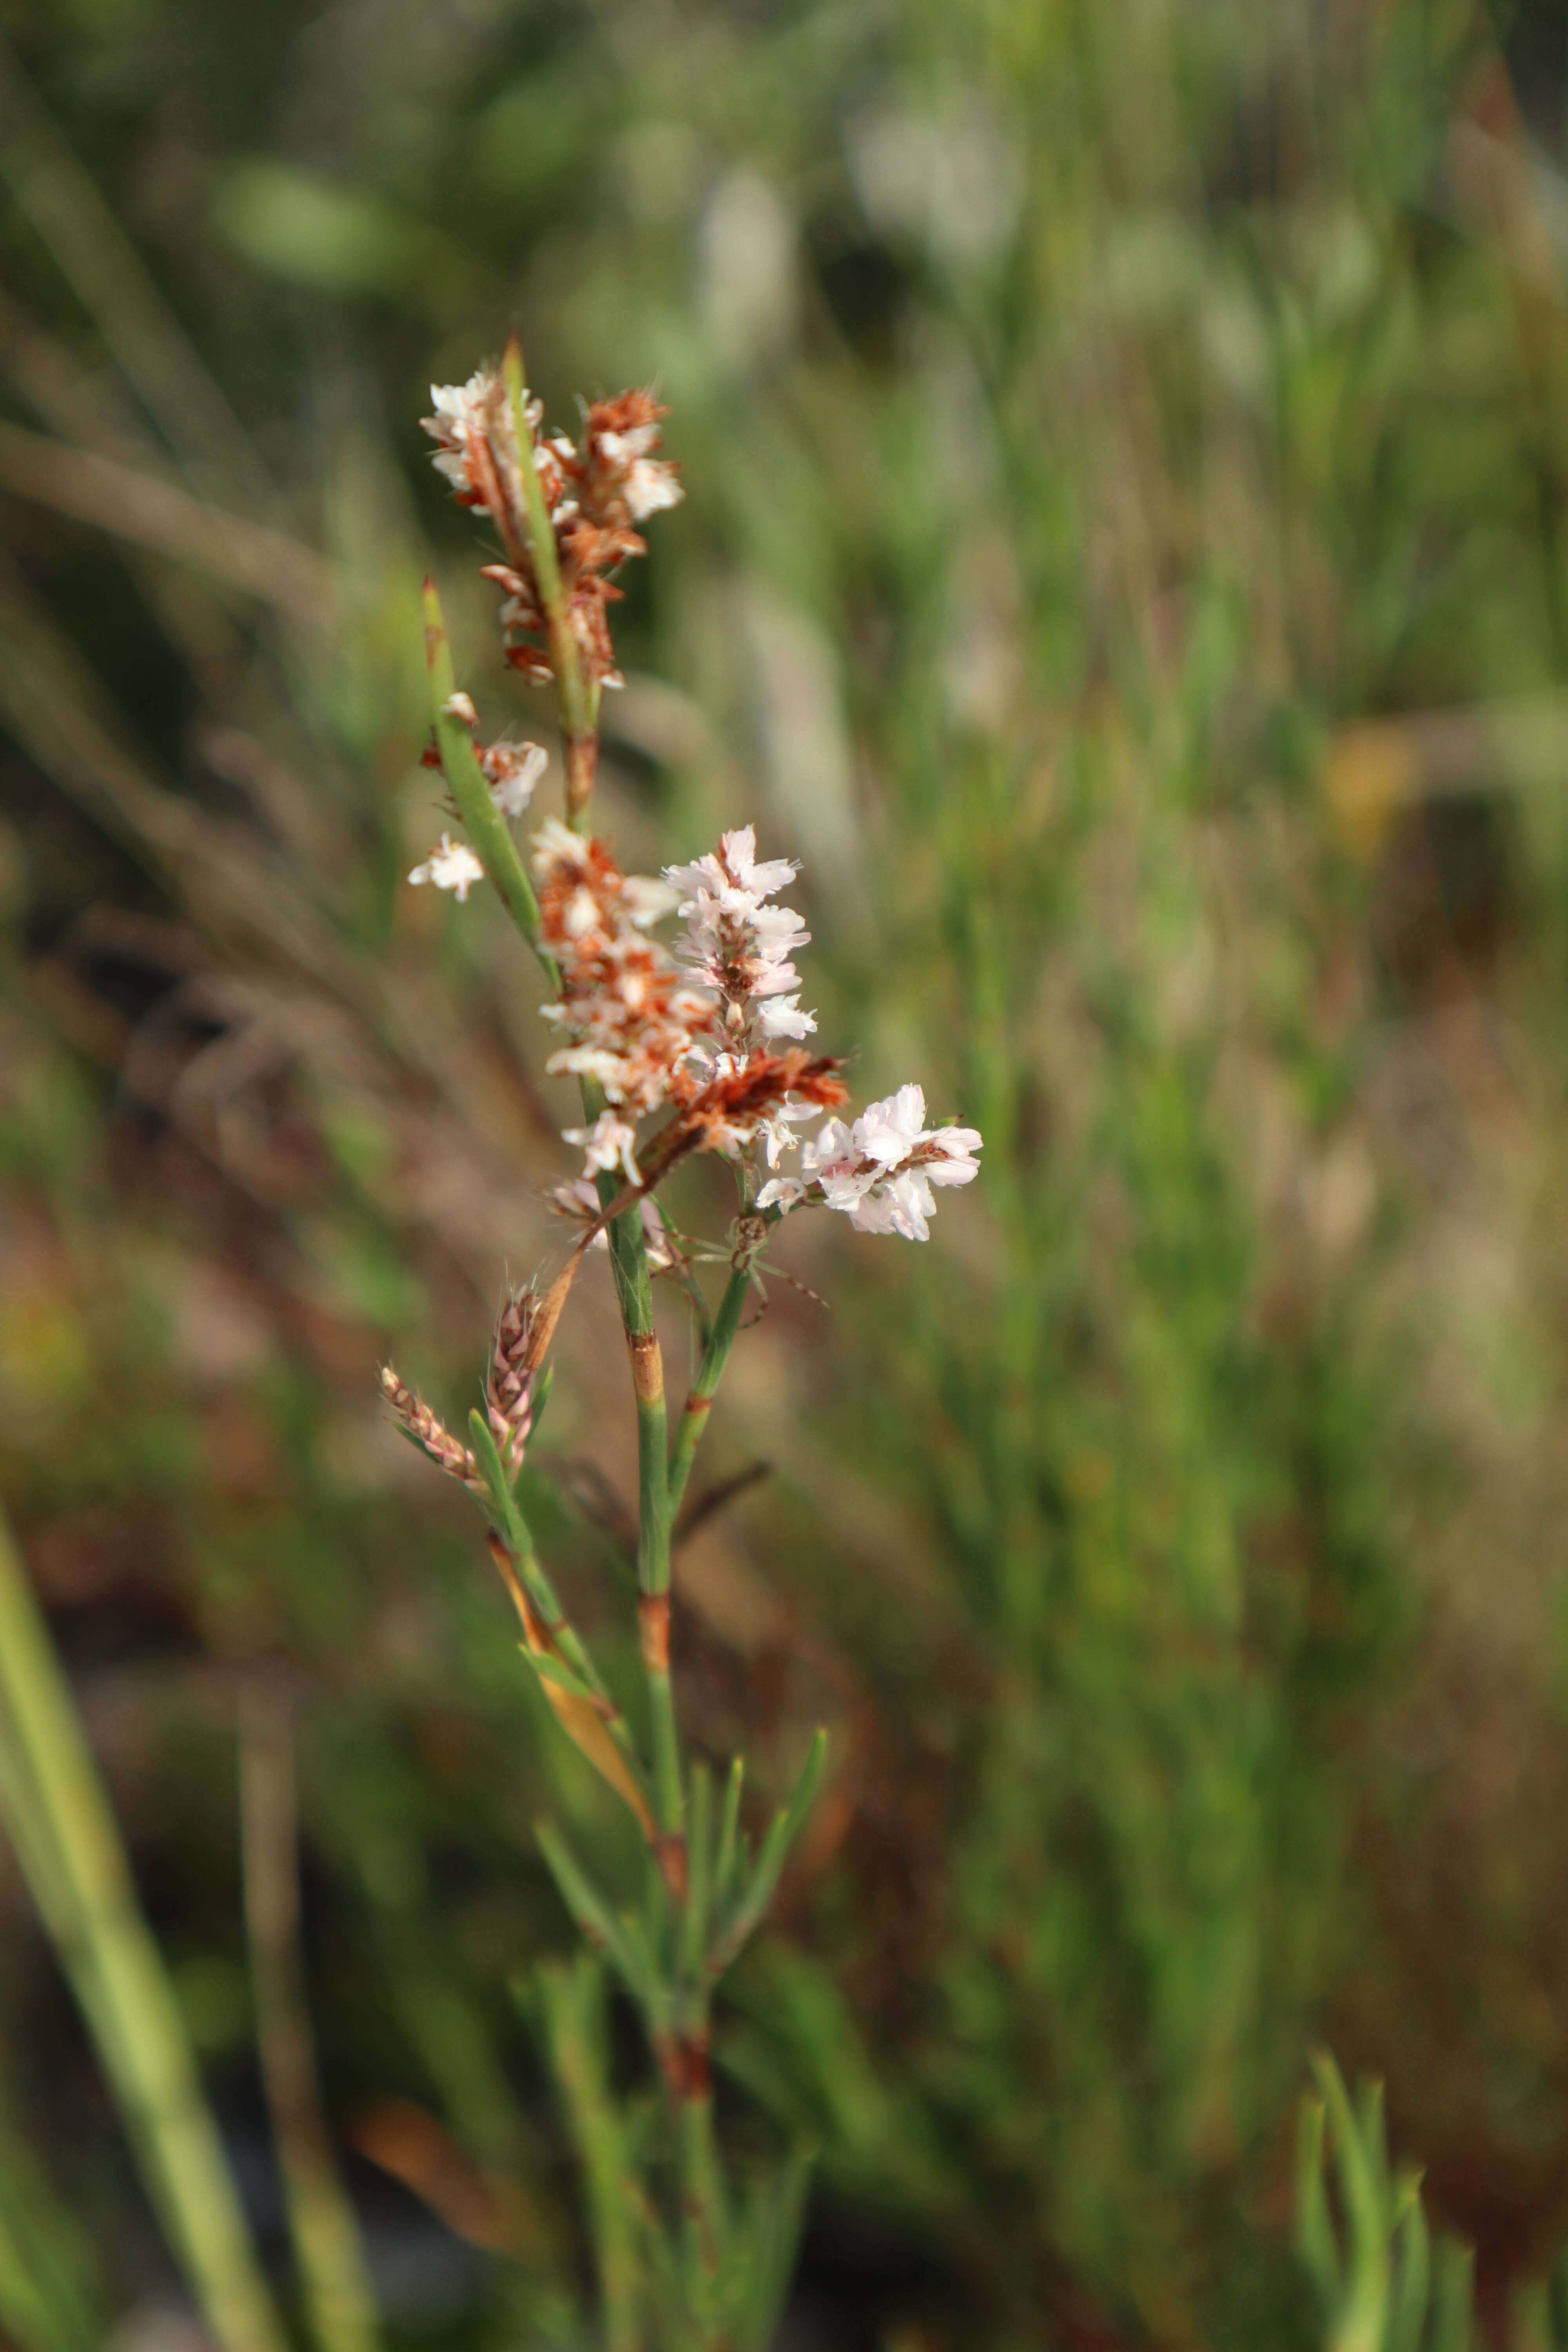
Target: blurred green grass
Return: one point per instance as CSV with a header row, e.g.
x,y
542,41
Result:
x,y
1123,556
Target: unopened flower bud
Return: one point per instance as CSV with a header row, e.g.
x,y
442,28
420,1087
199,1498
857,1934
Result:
x,y
415,1416
509,1390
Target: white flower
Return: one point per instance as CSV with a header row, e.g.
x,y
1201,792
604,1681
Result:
x,y
736,945
732,875
833,1157
451,865
775,1130
603,1063
879,1173
649,487
953,1161
610,1142
781,1016
646,900
513,771
461,413
647,483
460,706
781,1193
625,449
888,1131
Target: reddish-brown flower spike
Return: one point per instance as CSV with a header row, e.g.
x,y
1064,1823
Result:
x,y
725,1114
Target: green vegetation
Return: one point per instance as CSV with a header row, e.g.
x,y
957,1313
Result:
x,y
1123,555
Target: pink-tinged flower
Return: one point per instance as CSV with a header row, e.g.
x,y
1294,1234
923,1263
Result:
x,y
647,484
631,1018
781,1016
477,445
618,473
609,1144
740,947
579,1200
451,865
513,771
879,1173
732,874
462,413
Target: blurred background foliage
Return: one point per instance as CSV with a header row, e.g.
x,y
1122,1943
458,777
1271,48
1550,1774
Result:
x,y
1127,461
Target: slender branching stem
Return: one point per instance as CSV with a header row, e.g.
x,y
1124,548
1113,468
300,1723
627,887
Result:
x,y
635,1288
702,1896
579,712
547,1626
709,1372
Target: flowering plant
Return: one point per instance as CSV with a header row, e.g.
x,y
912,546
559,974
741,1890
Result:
x,y
677,1051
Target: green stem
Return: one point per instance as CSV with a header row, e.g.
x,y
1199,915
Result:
x,y
518,1536
709,1372
71,1848
575,2010
482,821
634,1292
579,712
700,2195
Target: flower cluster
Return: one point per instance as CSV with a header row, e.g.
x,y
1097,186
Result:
x,y
731,1100
879,1173
737,945
631,1015
595,495
712,1032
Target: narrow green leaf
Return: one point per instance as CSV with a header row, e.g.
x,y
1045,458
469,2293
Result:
x,y
486,827
508,1516
781,1833
727,1858
1357,2174
1412,2275
1373,2132
778,2209
554,1670
1314,2227
699,1870
598,1923
1453,2299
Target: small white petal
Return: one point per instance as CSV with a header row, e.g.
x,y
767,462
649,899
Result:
x,y
522,768
609,1144
781,1016
646,900
651,486
451,865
